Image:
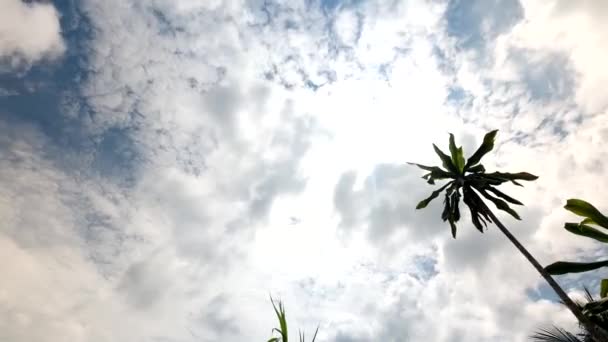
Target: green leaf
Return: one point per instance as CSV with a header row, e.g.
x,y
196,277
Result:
x,y
512,176
424,167
434,194
516,183
460,161
435,172
475,217
455,211
274,339
503,196
453,228
477,168
457,155
486,146
446,208
604,288
477,220
482,208
446,160
453,148
587,231
429,178
564,267
588,221
440,174
280,311
500,204
585,209
484,179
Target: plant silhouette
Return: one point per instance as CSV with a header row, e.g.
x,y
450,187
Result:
x,y
468,179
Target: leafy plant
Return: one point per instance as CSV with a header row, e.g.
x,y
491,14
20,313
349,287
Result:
x,y
592,217
557,334
282,330
591,226
470,178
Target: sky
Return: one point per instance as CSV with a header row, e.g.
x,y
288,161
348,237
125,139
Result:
x,y
166,165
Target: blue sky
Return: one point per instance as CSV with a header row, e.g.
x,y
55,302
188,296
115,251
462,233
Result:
x,y
164,165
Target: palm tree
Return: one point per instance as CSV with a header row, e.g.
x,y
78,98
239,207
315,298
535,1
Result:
x,y
557,334
469,180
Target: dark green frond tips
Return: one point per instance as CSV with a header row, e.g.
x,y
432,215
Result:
x,y
486,146
422,204
451,212
505,176
563,267
446,208
445,160
504,196
476,208
455,212
424,167
500,204
453,228
453,148
436,171
477,168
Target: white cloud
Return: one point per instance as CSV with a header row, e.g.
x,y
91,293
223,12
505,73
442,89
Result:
x,y
29,32
579,31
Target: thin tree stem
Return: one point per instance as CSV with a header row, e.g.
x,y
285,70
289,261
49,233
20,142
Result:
x,y
598,334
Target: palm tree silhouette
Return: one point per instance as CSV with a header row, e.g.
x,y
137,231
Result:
x,y
469,180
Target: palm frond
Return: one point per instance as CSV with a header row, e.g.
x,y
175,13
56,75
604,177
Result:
x,y
554,334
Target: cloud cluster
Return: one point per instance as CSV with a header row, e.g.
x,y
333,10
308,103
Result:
x,y
29,32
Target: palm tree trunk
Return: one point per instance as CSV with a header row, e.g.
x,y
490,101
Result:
x,y
598,334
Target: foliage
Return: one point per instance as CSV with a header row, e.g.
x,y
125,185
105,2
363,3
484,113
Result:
x,y
282,330
592,217
470,178
557,334
591,226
